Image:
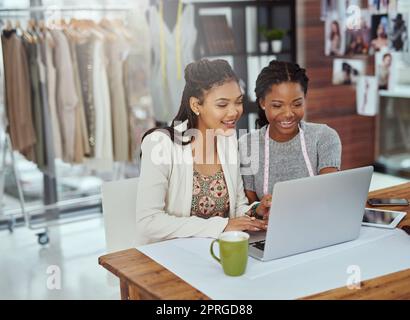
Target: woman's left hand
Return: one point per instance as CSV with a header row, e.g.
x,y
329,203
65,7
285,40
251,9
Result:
x,y
264,206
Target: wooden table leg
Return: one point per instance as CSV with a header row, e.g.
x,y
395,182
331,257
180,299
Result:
x,y
134,293
124,289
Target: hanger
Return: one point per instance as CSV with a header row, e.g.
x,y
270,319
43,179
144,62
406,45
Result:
x,y
31,24
26,35
9,25
119,25
42,26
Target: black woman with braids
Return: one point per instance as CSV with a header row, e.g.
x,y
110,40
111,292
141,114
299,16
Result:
x,y
284,147
190,183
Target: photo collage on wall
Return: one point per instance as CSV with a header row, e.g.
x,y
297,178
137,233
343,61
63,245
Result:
x,y
356,29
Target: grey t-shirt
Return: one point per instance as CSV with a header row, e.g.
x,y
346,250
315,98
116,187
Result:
x,y
286,161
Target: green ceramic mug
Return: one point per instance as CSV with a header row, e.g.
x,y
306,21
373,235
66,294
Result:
x,y
233,251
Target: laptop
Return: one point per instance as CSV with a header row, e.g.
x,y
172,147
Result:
x,y
312,213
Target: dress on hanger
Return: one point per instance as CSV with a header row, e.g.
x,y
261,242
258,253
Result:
x,y
117,51
36,99
103,155
51,74
81,145
49,155
17,94
67,99
167,81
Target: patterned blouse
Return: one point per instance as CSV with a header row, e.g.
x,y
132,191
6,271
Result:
x,y
210,196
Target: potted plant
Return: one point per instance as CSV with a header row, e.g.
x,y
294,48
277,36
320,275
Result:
x,y
275,37
264,43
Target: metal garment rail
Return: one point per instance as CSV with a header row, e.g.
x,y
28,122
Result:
x,y
65,8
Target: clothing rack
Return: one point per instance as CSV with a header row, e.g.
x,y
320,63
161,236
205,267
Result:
x,y
49,184
65,8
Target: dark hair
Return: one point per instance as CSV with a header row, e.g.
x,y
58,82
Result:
x,y
200,76
335,33
277,72
387,55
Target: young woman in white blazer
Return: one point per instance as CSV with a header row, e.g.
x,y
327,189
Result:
x,y
190,183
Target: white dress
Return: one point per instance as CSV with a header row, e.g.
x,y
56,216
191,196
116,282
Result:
x,y
51,88
103,156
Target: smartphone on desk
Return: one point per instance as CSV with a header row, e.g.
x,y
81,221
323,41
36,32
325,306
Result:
x,y
387,202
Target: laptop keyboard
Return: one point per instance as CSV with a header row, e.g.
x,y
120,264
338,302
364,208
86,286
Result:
x,y
259,245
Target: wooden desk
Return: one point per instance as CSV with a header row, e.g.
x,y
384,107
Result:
x,y
143,278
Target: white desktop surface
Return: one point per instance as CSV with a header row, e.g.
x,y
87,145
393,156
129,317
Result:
x,y
376,252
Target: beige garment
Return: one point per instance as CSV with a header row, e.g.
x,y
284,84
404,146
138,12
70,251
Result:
x,y
82,146
51,90
67,99
116,52
18,97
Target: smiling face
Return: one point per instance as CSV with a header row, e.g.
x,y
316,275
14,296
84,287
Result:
x,y
284,107
221,108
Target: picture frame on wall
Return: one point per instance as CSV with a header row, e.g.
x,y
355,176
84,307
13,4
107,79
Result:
x,y
379,6
326,7
398,32
379,33
335,35
358,39
383,63
367,97
347,71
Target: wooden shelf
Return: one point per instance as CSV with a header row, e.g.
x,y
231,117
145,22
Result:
x,y
405,94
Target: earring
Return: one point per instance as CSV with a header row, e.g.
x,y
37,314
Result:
x,y
197,113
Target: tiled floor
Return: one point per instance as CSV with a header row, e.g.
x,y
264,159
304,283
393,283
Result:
x,y
74,249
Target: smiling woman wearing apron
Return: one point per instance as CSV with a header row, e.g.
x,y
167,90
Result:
x,y
285,147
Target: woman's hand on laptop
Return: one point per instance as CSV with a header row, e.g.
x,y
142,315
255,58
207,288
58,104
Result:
x,y
246,223
264,207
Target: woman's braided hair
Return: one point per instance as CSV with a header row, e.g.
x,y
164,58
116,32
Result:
x,y
277,72
200,76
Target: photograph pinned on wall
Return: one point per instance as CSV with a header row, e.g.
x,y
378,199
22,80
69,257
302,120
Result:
x,y
401,6
358,38
367,97
379,6
398,32
335,35
379,33
346,71
383,63
328,6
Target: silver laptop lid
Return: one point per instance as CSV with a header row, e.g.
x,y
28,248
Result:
x,y
316,212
